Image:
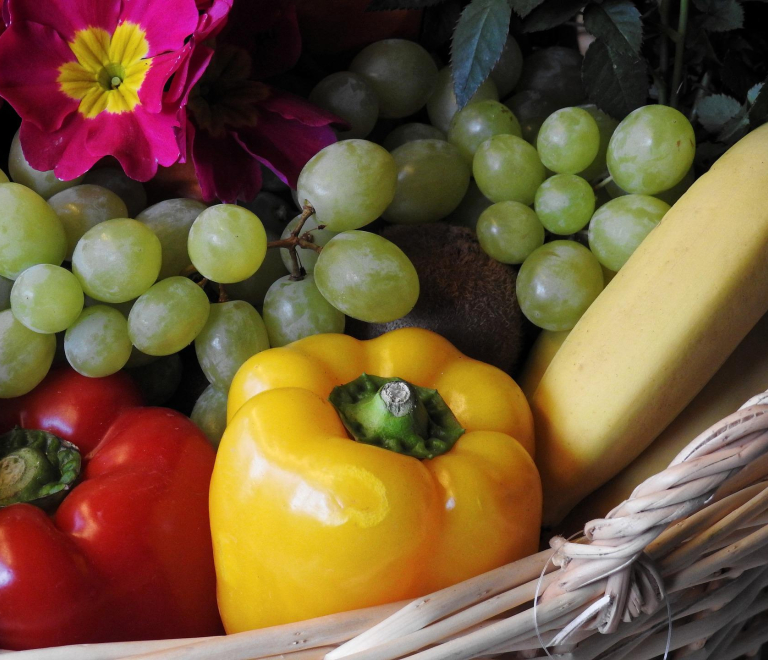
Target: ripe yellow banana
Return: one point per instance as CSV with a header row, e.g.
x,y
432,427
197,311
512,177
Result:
x,y
743,375
542,352
659,331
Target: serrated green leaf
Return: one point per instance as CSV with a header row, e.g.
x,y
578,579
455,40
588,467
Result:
x,y
715,111
477,44
617,23
551,14
754,91
524,7
758,113
391,5
615,82
735,128
721,15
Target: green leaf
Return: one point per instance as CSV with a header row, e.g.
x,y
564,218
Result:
x,y
524,7
615,82
758,113
618,24
735,128
477,44
721,15
754,91
716,111
391,5
551,14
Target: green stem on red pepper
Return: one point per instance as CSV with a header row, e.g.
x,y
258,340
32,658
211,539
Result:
x,y
36,467
396,415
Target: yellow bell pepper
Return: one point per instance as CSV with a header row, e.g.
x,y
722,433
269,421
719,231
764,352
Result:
x,y
308,522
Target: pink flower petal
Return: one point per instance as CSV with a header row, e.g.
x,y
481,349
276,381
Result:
x,y
224,169
63,150
167,22
66,16
284,145
289,106
140,140
32,88
152,89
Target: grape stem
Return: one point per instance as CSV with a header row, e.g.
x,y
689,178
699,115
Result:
x,y
223,297
297,240
602,183
677,71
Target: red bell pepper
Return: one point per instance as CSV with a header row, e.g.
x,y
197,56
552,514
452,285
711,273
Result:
x,y
127,553
71,406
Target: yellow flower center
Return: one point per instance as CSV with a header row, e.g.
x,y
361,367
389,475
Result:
x,y
109,70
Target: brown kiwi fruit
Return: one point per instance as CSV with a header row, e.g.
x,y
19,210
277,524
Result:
x,y
466,296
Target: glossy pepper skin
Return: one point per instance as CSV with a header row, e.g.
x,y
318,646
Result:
x,y
127,554
307,522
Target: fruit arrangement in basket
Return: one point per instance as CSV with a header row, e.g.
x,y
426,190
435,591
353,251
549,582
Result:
x,y
329,316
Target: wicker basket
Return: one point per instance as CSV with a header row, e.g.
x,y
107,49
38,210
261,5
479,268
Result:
x,y
682,565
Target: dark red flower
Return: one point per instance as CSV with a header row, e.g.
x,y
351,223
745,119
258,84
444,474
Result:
x,y
236,122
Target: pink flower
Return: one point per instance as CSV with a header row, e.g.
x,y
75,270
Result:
x,y
87,78
236,122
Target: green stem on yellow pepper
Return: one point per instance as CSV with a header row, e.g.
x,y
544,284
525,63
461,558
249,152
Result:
x,y
396,415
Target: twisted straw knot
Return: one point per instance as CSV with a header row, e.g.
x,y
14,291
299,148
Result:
x,y
615,551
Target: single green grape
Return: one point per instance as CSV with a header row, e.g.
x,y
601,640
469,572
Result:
x,y
651,150
168,316
509,232
467,213
47,298
117,260
432,179
349,96
25,356
619,226
210,413
5,293
442,105
530,108
31,231
158,380
81,207
410,132
367,277
253,289
97,343
557,283
606,125
294,309
349,184
131,192
171,221
478,122
565,203
568,140
508,169
3,177
233,333
227,243
307,256
401,72
556,73
507,71
44,184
